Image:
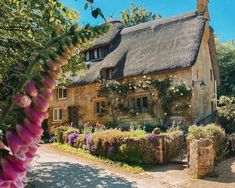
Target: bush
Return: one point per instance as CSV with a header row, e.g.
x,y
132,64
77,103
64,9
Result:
x,y
226,113
211,131
110,124
62,132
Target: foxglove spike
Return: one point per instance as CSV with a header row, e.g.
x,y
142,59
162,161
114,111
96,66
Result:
x,y
22,101
33,127
31,89
25,134
47,82
40,103
16,145
34,115
46,93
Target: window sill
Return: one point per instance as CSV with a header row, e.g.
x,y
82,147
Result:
x,y
57,120
62,99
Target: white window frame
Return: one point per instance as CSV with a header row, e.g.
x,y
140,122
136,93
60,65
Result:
x,y
62,97
57,114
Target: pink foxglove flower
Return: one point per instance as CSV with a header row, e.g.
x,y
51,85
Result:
x,y
53,65
4,182
62,61
31,89
22,101
46,93
25,134
40,103
47,82
11,170
33,127
17,146
34,115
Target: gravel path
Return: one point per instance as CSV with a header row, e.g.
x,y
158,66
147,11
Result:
x,y
55,168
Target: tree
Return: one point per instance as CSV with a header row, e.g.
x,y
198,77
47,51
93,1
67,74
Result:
x,y
226,62
137,15
26,27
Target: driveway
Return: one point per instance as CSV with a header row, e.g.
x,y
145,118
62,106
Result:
x,y
55,168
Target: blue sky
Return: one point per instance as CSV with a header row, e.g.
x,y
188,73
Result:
x,y
222,12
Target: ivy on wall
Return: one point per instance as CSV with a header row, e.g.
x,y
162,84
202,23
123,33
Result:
x,y
162,93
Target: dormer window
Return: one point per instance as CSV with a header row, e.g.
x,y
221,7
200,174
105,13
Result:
x,y
107,74
96,53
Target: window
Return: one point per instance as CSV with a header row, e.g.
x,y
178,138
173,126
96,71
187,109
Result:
x,y
139,103
96,53
100,107
108,74
57,114
62,93
211,75
197,74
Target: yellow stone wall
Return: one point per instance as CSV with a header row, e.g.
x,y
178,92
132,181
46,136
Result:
x,y
85,97
201,101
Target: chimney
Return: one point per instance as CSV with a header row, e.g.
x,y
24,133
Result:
x,y
202,8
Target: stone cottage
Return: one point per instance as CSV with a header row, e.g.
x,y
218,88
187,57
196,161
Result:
x,y
180,47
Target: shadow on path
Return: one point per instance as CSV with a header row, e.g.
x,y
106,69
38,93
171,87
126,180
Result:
x,y
225,171
71,175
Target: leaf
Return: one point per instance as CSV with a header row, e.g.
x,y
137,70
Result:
x,y
90,1
95,13
51,19
86,6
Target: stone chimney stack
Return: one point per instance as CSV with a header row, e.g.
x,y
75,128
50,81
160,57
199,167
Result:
x,y
202,8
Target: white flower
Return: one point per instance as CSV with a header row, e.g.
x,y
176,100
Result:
x,y
181,94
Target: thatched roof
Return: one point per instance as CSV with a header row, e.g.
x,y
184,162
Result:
x,y
108,38
159,45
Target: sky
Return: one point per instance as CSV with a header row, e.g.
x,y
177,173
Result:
x,y
222,12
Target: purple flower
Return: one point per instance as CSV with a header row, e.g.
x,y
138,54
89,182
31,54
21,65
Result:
x,y
72,137
93,149
152,138
88,138
110,149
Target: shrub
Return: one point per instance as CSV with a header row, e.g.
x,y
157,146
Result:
x,y
174,140
226,113
62,132
110,124
211,131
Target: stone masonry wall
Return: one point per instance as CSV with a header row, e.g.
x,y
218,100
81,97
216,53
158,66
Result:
x,y
202,157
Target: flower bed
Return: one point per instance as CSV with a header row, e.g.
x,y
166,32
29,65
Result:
x,y
135,147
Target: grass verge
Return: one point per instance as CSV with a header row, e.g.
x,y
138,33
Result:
x,y
135,169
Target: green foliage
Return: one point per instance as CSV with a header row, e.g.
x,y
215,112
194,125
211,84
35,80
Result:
x,y
226,62
174,141
137,15
26,27
110,124
211,131
61,133
226,113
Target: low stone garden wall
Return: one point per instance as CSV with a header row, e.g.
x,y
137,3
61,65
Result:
x,y
131,147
